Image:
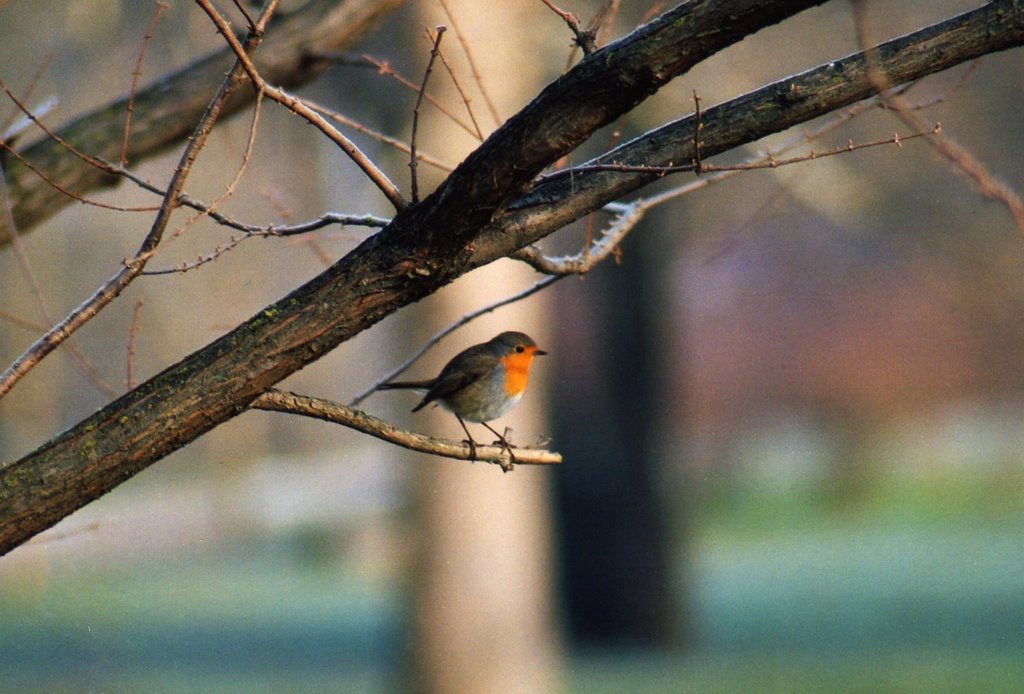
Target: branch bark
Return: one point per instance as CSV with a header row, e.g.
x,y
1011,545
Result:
x,y
560,198
166,111
471,219
293,403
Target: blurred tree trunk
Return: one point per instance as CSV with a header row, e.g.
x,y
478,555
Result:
x,y
482,584
616,557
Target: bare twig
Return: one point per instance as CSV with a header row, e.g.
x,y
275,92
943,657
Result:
x,y
9,228
230,188
630,214
449,329
23,323
217,252
282,401
133,266
133,332
961,159
366,220
69,193
601,24
295,104
384,68
379,137
378,177
472,64
583,38
136,74
92,161
605,244
416,114
245,13
8,130
78,359
698,166
466,101
764,163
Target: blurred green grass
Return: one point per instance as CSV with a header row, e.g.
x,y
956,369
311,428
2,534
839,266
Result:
x,y
916,585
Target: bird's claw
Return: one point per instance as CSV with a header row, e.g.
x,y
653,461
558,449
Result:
x,y
472,449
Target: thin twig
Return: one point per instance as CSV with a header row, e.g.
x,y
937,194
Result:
x,y
376,175
448,330
10,132
136,74
466,101
296,105
92,161
69,193
765,163
628,215
601,24
603,246
9,227
133,332
698,126
379,137
133,266
281,401
472,64
583,38
384,68
245,13
416,114
78,359
186,200
230,188
217,252
7,130
19,322
959,157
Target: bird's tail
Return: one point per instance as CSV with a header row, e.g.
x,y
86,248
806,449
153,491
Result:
x,y
409,385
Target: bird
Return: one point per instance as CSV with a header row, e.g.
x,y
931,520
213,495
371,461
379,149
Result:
x,y
480,383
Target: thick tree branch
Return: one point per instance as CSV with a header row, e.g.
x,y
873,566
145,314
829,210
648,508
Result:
x,y
166,111
430,243
131,268
565,196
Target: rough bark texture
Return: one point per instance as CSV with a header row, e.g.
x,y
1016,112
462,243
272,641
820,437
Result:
x,y
429,244
167,110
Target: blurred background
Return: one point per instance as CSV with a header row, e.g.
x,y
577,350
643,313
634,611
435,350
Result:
x,y
790,412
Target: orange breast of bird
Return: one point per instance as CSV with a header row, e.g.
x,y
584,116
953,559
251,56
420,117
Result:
x,y
517,371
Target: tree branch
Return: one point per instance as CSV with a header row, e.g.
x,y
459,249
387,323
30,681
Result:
x,y
132,267
462,225
564,196
166,111
281,401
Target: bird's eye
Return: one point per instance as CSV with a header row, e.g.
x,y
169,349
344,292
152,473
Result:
x,y
520,349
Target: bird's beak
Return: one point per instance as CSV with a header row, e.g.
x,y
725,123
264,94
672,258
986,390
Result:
x,y
539,353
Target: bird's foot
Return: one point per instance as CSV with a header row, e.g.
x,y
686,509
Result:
x,y
472,449
503,441
507,446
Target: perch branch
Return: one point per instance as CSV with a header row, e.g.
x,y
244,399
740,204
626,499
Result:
x,y
293,403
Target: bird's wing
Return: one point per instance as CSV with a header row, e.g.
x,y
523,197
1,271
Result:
x,y
454,378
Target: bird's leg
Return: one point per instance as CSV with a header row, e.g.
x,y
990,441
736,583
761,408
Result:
x,y
469,439
504,444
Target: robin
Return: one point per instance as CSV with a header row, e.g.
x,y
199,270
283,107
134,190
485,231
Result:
x,y
481,383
